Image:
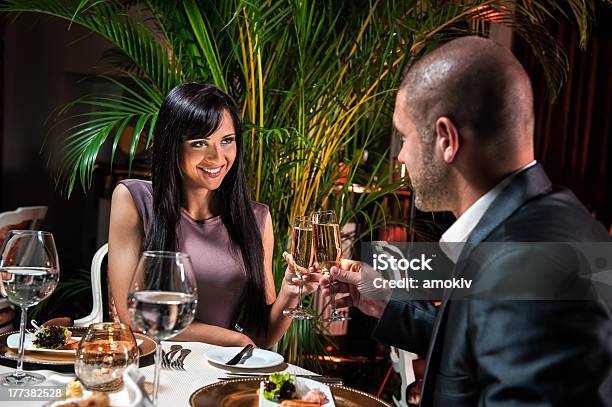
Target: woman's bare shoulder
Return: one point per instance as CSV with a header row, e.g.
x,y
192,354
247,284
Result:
x,y
123,206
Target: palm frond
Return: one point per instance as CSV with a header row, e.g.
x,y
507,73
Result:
x,y
109,115
207,47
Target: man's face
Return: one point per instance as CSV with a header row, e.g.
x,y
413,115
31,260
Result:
x,y
429,174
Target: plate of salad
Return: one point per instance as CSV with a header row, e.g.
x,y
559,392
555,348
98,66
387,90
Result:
x,y
53,339
49,339
283,389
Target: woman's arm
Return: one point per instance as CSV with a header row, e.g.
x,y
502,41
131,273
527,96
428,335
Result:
x,y
125,236
278,323
213,334
288,294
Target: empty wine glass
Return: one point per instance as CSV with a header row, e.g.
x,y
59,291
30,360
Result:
x,y
29,270
162,299
328,251
301,250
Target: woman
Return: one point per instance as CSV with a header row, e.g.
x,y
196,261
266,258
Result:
x,y
198,203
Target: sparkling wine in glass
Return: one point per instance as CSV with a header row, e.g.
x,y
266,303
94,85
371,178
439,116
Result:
x,y
29,270
328,251
162,299
303,256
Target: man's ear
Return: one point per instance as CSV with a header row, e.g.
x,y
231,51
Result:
x,y
447,138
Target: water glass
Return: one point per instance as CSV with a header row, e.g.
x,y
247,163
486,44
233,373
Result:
x,y
29,271
162,299
106,350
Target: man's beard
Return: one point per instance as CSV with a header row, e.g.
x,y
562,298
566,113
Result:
x,y
433,190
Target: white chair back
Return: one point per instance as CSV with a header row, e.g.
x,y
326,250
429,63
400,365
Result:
x,y
401,360
27,217
33,214
402,363
97,311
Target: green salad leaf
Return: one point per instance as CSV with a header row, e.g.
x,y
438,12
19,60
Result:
x,y
51,337
279,386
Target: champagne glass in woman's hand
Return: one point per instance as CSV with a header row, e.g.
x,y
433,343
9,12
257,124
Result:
x,y
29,270
328,251
162,299
301,260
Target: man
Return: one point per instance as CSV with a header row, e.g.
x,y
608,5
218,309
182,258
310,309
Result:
x,y
465,114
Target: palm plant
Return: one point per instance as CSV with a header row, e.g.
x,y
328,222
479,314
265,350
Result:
x,y
315,80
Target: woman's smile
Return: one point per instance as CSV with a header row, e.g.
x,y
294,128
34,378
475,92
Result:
x,y
212,172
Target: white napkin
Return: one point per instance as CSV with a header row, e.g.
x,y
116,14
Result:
x,y
134,382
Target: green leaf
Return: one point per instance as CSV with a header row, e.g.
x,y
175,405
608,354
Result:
x,y
207,46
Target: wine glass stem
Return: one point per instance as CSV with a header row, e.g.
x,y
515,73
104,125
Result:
x,y
333,304
22,330
300,288
158,357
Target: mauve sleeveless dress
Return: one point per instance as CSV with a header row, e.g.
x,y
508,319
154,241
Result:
x,y
217,262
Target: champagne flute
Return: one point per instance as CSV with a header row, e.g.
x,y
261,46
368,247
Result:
x,y
301,250
328,251
29,270
162,299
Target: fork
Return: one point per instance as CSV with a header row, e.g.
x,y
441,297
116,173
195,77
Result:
x,y
178,364
167,360
36,327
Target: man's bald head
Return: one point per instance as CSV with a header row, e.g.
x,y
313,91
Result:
x,y
480,86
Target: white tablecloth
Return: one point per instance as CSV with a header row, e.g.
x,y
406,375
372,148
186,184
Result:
x,y
175,387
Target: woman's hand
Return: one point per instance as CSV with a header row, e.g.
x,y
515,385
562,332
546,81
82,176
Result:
x,y
243,340
292,281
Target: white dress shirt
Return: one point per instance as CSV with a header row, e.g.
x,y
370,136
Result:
x,y
453,239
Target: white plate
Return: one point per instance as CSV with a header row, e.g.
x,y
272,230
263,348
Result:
x,y
302,386
259,359
13,342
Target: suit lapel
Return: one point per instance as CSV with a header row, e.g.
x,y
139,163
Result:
x,y
525,186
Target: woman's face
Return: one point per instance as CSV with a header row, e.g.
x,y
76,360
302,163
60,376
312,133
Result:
x,y
206,161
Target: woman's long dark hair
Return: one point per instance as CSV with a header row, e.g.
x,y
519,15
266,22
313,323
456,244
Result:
x,y
194,110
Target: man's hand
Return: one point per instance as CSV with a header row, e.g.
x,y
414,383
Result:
x,y
357,279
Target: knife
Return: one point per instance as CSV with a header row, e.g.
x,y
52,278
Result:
x,y
246,356
234,361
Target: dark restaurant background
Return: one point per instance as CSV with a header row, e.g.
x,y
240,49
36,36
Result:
x,y
573,137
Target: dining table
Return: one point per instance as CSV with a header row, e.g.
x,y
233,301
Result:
x,y
176,386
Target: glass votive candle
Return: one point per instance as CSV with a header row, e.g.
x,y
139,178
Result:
x,y
106,350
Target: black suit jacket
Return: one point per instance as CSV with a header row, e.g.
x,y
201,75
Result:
x,y
511,352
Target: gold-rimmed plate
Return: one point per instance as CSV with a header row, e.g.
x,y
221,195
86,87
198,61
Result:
x,y
38,357
243,393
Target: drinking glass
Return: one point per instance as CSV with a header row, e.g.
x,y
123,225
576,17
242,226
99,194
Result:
x,y
328,251
29,270
162,299
301,250
106,350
